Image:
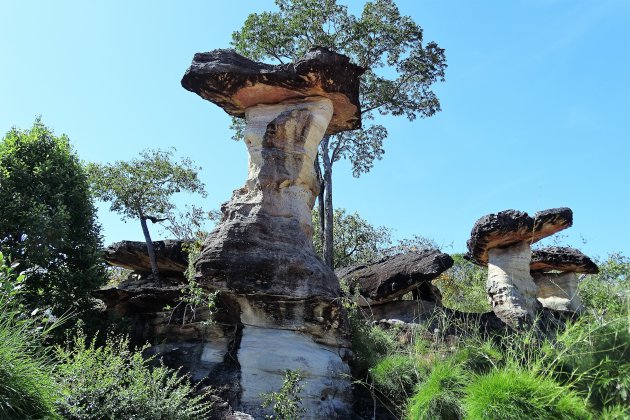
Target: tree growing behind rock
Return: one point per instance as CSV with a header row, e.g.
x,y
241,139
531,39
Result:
x,y
400,71
47,219
142,189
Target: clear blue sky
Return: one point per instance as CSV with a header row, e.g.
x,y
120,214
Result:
x,y
536,107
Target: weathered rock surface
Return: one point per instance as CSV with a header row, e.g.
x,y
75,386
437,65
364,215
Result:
x,y
236,83
408,311
276,292
511,288
558,291
391,277
509,227
132,255
562,259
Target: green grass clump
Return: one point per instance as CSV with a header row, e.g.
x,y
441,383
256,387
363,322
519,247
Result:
x,y
27,388
513,393
115,382
395,376
440,396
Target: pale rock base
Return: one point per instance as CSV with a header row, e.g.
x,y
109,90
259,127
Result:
x,y
511,288
558,291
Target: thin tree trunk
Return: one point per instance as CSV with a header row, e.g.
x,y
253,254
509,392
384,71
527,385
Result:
x,y
150,249
328,205
320,202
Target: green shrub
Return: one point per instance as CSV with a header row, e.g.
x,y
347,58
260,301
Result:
x,y
513,393
286,403
595,356
369,342
479,356
27,388
396,375
615,412
463,286
439,397
608,292
113,382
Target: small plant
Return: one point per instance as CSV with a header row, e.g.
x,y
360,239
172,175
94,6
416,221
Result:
x,y
286,403
396,375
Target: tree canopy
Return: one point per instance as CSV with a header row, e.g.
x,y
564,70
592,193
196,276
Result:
x,y
143,188
400,72
48,220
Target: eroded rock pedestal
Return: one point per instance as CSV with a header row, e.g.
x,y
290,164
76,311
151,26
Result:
x,y
281,300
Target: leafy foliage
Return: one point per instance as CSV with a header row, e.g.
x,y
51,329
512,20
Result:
x,y
114,382
439,397
463,286
47,219
286,403
608,292
144,187
27,386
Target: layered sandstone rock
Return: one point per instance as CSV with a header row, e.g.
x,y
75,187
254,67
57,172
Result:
x,y
387,279
502,242
281,300
554,271
132,255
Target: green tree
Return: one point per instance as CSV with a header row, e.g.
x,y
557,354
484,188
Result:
x,y
400,70
143,188
48,220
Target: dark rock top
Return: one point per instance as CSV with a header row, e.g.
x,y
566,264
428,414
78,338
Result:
x,y
236,83
563,259
509,227
391,277
171,259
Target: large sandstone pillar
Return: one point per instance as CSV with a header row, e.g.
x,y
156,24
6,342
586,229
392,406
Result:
x,y
279,296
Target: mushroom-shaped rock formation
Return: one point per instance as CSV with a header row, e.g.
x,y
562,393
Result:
x,y
502,242
554,271
384,280
260,256
171,259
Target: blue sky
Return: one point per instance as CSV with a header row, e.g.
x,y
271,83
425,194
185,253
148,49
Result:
x,y
536,108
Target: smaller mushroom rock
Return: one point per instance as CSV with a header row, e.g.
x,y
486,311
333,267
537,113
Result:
x,y
558,291
509,227
393,276
236,83
564,259
502,242
171,259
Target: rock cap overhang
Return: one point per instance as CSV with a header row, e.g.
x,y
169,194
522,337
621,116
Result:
x,y
236,83
564,259
509,227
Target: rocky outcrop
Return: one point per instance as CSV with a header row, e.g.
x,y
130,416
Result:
x,y
391,277
554,271
502,242
278,295
171,258
237,84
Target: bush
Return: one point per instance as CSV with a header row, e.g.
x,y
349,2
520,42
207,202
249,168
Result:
x,y
439,397
115,382
27,388
608,292
595,356
463,286
513,393
396,375
369,342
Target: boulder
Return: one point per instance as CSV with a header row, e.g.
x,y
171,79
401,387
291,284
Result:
x,y
393,276
132,255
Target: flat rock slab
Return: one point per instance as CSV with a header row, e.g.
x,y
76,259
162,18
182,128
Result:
x,y
236,83
509,227
391,277
133,255
563,259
